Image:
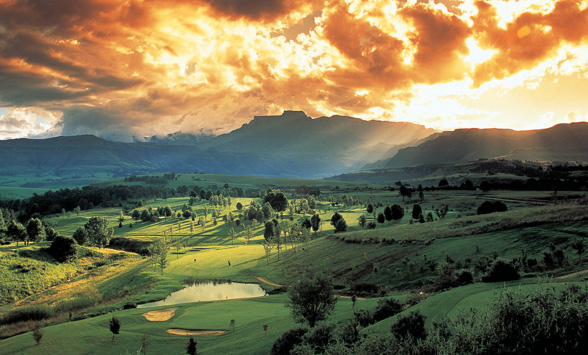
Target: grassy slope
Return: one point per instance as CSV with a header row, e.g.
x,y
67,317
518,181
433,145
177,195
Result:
x,y
348,262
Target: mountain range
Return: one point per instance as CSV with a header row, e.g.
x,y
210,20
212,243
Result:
x,y
290,145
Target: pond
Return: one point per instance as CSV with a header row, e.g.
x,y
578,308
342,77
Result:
x,y
209,291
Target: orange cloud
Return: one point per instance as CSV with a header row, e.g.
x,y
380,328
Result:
x,y
211,65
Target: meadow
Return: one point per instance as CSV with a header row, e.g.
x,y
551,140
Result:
x,y
400,257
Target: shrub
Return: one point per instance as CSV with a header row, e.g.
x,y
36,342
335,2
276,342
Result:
x,y
288,340
33,313
501,270
412,325
363,317
387,308
63,249
491,207
464,277
320,336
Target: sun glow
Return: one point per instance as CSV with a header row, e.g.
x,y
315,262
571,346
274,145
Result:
x,y
477,55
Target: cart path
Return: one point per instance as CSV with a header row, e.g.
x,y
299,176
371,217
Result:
x,y
267,282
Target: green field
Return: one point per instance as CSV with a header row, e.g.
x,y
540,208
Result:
x,y
398,256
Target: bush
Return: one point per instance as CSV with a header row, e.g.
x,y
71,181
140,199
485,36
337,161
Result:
x,y
386,308
501,270
79,302
63,249
33,313
520,322
464,277
491,207
363,317
412,325
288,340
320,336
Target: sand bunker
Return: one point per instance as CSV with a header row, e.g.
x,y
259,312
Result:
x,y
160,315
179,331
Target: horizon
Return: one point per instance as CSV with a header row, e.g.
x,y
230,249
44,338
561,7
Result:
x,y
120,71
147,139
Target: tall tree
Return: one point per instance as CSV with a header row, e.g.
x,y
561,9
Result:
x,y
277,199
80,236
114,326
16,232
387,213
316,222
417,211
311,300
381,218
35,230
98,232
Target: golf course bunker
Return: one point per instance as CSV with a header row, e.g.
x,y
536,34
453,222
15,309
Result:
x,y
180,331
209,291
161,315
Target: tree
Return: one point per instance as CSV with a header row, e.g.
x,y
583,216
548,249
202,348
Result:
x,y
397,212
16,232
80,236
268,233
37,335
77,210
417,211
341,226
370,208
35,230
405,192
121,217
161,250
311,300
381,218
232,235
2,223
191,347
239,206
335,217
306,223
98,232
277,199
388,213
316,222
114,326
63,249
267,211
362,221
421,193
136,215
579,246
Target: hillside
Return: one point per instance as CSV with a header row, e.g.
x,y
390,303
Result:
x,y
564,142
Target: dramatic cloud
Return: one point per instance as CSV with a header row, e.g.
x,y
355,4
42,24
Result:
x,y
131,69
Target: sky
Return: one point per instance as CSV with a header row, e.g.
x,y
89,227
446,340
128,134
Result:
x,y
129,69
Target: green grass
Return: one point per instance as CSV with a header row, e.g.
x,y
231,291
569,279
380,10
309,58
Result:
x,y
356,256
91,336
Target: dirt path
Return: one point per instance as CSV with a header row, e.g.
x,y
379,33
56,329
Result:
x,y
267,282
573,274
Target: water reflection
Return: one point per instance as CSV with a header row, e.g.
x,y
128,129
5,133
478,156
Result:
x,y
209,291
